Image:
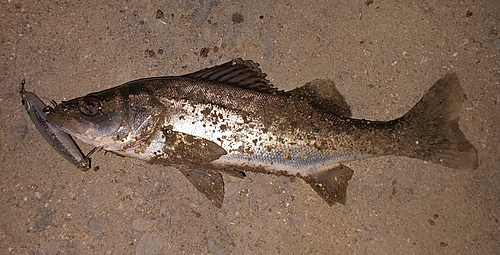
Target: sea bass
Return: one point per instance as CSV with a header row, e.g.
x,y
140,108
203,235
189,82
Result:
x,y
230,118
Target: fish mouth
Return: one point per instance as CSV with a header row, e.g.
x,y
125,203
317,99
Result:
x,y
86,130
72,126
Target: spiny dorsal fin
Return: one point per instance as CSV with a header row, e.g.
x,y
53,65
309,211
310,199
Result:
x,y
238,72
324,96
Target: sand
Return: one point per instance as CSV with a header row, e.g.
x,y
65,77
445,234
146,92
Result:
x,y
382,56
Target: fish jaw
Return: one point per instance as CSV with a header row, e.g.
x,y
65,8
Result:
x,y
82,129
68,124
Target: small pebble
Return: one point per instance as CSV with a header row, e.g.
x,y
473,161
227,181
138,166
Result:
x,y
204,52
237,18
159,14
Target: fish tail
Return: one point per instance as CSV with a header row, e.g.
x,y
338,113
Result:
x,y
430,130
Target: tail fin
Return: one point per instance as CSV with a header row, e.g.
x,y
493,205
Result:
x,y
430,129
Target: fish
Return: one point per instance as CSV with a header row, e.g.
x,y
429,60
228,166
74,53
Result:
x,y
230,119
58,139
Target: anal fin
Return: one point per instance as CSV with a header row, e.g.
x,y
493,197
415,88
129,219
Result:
x,y
208,182
331,185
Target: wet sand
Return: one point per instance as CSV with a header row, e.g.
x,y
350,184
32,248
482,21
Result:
x,y
382,57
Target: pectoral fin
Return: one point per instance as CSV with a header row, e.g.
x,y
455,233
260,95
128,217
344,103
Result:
x,y
331,185
208,182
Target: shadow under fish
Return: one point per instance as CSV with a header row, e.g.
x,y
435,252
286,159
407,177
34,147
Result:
x,y
230,118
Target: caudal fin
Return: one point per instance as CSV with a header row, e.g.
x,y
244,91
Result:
x,y
430,129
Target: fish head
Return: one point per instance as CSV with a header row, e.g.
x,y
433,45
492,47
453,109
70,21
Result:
x,y
97,119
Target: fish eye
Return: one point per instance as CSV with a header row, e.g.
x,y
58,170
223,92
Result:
x,y
90,105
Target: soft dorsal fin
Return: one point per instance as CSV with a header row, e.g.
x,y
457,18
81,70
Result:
x,y
238,72
324,96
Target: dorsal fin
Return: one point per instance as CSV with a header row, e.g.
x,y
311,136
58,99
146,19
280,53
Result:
x,y
324,96
238,72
